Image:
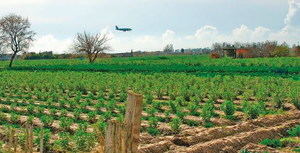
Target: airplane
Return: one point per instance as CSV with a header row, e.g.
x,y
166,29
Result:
x,y
123,29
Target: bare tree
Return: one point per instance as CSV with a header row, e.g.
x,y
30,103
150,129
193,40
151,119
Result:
x,y
90,44
168,48
15,34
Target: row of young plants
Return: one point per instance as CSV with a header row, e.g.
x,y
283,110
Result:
x,y
46,85
203,60
164,68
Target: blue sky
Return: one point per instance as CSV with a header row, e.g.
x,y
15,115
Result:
x,y
185,23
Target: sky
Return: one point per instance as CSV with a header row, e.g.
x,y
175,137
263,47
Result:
x,y
155,23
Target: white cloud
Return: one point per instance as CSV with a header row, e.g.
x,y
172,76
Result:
x,y
205,36
50,43
293,13
11,3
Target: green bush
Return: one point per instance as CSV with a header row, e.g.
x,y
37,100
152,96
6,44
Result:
x,y
65,123
149,98
175,124
193,108
45,134
208,111
294,132
252,110
153,131
280,51
123,96
153,122
279,101
274,143
296,102
228,108
245,151
84,141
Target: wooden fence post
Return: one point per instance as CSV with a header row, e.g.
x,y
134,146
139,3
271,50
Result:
x,y
132,121
29,139
42,141
124,137
114,138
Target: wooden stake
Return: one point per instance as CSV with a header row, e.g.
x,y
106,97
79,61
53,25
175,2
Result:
x,y
42,141
114,138
133,121
29,138
124,137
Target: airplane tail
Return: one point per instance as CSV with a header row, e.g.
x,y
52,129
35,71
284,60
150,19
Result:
x,y
117,28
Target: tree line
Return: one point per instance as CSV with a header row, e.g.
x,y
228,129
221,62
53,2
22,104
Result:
x,y
255,49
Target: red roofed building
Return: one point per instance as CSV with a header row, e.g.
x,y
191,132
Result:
x,y
296,50
243,53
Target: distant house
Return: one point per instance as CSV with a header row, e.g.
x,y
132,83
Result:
x,y
237,52
296,50
5,57
243,53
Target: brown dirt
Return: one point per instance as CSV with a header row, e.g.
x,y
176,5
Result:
x,y
239,140
156,147
257,148
225,139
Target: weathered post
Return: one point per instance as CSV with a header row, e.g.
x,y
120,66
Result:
x,y
29,138
124,137
42,141
114,139
133,121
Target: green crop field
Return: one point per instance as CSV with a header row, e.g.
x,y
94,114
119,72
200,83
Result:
x,y
70,101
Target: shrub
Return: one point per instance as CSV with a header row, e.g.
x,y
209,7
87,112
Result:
x,y
296,102
123,96
47,120
181,101
252,110
228,108
2,116
100,127
175,124
92,116
173,107
77,113
65,123
208,111
193,108
245,151
274,143
14,118
63,112
53,112
149,98
280,51
30,109
45,134
30,120
294,132
153,122
153,131
84,141
279,101
180,114
40,109
215,55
